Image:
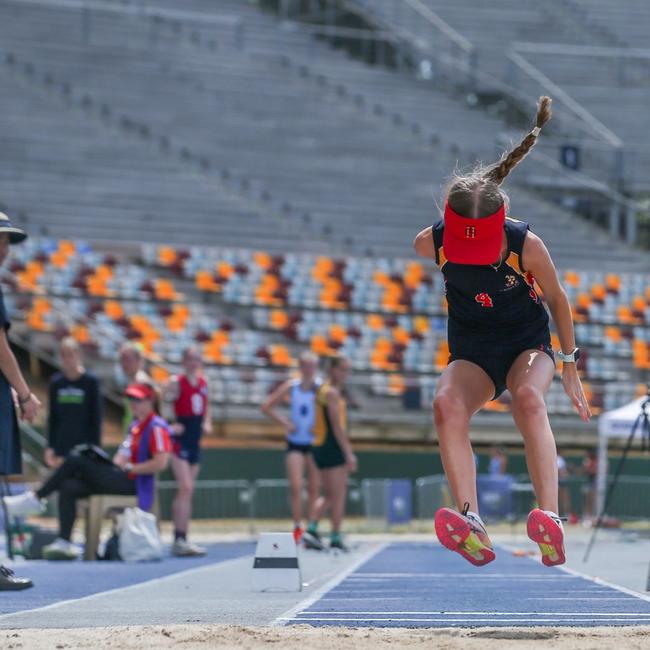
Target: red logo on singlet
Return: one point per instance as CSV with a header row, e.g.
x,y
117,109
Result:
x,y
484,299
470,232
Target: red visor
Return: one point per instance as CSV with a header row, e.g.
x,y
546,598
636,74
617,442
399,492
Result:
x,y
140,391
473,241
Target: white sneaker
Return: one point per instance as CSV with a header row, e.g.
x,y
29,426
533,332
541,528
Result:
x,y
183,548
23,504
61,549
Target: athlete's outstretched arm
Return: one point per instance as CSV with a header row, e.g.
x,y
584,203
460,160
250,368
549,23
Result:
x,y
423,243
537,260
278,396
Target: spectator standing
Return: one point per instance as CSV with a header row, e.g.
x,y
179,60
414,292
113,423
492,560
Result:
x,y
131,370
75,415
299,427
498,462
190,394
14,393
332,449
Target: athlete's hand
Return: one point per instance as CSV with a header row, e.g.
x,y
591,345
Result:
x,y
207,428
351,462
573,388
29,408
177,429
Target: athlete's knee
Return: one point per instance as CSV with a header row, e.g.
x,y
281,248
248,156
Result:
x,y
528,399
448,407
185,488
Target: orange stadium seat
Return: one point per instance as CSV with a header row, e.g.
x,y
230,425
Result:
x,y
278,319
113,309
164,289
572,279
337,333
421,324
401,336
167,256
613,282
263,260
280,355
224,270
204,281
81,334
320,346
413,275
322,268
598,292
375,322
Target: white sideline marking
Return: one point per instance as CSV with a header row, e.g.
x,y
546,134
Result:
x,y
605,583
439,613
308,602
62,603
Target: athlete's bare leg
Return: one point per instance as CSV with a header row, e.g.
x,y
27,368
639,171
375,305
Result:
x,y
528,380
295,465
182,505
315,501
335,483
462,390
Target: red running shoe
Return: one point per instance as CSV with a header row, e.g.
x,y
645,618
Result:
x,y
464,534
297,534
546,530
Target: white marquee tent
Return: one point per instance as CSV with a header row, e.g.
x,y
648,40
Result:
x,y
615,424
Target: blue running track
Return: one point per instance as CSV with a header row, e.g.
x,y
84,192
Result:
x,y
425,585
58,581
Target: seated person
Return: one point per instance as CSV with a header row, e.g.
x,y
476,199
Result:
x,y
75,414
143,454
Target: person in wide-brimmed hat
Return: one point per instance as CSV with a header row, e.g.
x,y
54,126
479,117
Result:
x,y
14,391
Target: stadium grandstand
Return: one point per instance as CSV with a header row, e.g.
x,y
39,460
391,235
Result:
x,y
242,182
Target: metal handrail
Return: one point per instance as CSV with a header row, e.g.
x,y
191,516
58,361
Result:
x,y
142,10
591,121
445,28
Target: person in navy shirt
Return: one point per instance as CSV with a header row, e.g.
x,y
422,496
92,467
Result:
x,y
75,414
15,394
498,332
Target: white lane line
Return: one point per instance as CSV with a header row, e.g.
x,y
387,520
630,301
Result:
x,y
572,598
605,583
308,602
441,613
475,576
162,579
464,621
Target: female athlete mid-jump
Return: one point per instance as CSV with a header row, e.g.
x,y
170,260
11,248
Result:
x,y
498,332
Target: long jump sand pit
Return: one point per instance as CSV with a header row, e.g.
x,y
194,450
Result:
x,y
300,636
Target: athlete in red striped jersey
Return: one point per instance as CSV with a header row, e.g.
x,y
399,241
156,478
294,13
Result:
x,y
191,399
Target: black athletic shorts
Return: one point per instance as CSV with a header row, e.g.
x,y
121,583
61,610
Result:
x,y
497,357
303,449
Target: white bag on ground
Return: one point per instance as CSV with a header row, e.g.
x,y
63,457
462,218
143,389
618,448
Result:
x,y
139,536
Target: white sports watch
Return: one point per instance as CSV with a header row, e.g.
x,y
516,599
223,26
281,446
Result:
x,y
569,358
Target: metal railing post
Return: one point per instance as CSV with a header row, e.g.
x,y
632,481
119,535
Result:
x,y
630,224
614,219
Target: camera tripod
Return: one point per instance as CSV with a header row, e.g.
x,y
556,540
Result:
x,y
642,424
